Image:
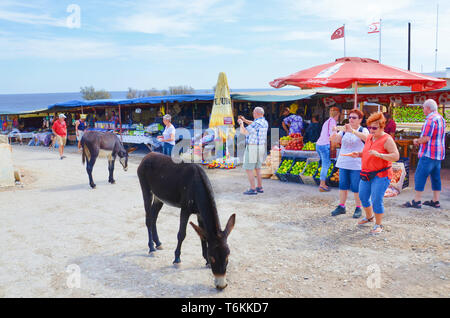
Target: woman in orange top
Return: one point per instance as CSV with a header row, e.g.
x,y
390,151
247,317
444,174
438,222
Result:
x,y
377,156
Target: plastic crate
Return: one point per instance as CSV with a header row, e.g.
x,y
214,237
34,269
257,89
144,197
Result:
x,y
317,174
296,178
334,184
284,176
309,179
405,161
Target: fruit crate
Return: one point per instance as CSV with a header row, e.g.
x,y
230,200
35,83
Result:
x,y
317,174
283,177
309,179
331,183
405,161
296,178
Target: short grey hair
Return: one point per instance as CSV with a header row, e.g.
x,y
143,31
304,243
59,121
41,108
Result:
x,y
167,117
431,104
259,110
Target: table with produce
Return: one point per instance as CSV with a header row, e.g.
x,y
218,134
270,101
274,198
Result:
x,y
293,146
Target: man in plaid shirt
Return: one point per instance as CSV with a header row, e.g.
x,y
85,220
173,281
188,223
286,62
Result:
x,y
431,153
255,147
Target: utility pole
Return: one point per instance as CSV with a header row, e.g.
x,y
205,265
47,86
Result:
x,y
409,46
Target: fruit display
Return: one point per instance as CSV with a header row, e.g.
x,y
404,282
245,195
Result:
x,y
294,144
330,170
298,167
408,114
285,166
285,138
397,174
335,176
218,165
309,146
311,169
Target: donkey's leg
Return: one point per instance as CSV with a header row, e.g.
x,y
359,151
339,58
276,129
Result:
x,y
184,217
148,200
204,243
89,167
156,207
111,161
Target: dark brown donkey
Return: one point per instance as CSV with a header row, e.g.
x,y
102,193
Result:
x,y
185,186
93,142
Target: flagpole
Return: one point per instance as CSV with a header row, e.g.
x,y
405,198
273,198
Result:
x,y
344,42
437,25
379,47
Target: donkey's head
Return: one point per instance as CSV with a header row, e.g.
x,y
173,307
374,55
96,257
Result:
x,y
218,251
123,159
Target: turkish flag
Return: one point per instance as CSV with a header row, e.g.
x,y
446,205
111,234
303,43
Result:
x,y
339,33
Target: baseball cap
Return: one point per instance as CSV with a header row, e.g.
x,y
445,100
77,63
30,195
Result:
x,y
62,116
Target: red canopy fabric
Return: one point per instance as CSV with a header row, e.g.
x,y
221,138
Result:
x,y
345,71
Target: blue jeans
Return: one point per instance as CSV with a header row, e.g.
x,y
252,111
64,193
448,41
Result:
x,y
167,149
372,192
324,154
428,167
349,180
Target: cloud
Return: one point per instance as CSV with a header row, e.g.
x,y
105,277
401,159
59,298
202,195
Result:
x,y
348,10
303,35
18,12
178,18
63,48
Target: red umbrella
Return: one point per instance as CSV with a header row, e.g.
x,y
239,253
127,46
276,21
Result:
x,y
355,70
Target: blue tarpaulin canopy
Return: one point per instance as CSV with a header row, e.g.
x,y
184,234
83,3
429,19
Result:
x,y
269,98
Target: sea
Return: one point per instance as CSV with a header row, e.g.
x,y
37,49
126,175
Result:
x,y
25,102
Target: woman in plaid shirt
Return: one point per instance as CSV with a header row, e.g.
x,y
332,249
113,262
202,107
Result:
x,y
431,154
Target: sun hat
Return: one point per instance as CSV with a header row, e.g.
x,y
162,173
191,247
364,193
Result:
x,y
62,116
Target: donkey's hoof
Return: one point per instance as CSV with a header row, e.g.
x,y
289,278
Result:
x,y
93,186
112,181
177,262
159,247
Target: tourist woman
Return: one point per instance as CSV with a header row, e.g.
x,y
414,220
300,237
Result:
x,y
376,171
350,168
168,137
323,146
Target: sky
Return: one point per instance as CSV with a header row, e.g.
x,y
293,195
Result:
x,y
59,46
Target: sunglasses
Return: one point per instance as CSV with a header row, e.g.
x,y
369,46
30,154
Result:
x,y
373,128
353,117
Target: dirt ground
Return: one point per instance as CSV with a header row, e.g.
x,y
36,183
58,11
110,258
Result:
x,y
59,238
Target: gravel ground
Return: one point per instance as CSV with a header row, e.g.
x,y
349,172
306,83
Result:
x,y
59,238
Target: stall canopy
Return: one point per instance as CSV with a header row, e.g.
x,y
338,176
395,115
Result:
x,y
348,71
141,100
386,95
269,98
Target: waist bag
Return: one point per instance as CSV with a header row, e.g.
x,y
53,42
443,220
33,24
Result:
x,y
367,176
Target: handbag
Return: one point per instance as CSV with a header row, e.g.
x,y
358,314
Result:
x,y
367,176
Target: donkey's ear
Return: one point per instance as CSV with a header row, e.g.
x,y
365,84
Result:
x,y
230,225
131,149
199,231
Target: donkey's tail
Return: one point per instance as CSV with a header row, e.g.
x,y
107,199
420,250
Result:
x,y
83,151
